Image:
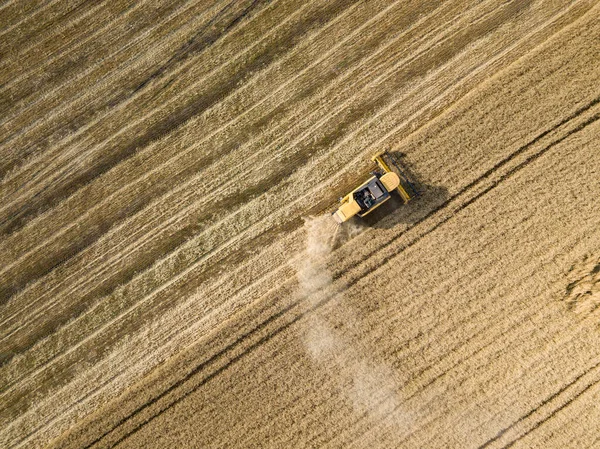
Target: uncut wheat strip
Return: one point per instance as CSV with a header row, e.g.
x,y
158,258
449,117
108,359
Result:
x,y
552,133
248,287
187,388
582,249
292,405
109,398
568,397
580,431
484,354
54,422
234,170
13,64
434,294
572,425
58,93
50,171
316,415
555,132
553,403
184,367
496,178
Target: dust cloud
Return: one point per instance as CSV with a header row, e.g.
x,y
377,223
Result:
x,y
368,385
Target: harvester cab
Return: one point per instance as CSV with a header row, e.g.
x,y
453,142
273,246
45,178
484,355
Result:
x,y
375,191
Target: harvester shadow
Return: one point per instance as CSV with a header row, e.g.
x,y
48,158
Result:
x,y
395,211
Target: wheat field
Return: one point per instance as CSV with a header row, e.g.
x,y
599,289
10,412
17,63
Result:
x,y
171,275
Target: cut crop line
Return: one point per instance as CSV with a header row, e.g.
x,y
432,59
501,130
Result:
x,y
47,172
71,225
69,49
161,167
104,81
26,49
95,392
45,5
349,284
6,3
127,65
199,176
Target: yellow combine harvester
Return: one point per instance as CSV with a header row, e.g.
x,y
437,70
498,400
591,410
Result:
x,y
372,193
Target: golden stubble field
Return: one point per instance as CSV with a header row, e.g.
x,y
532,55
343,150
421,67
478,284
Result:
x,y
170,277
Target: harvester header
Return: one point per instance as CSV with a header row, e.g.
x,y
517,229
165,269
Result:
x,y
387,178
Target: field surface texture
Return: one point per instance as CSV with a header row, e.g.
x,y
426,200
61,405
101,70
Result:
x,y
170,274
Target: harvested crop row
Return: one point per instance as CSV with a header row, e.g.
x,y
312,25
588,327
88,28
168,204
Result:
x,y
482,101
